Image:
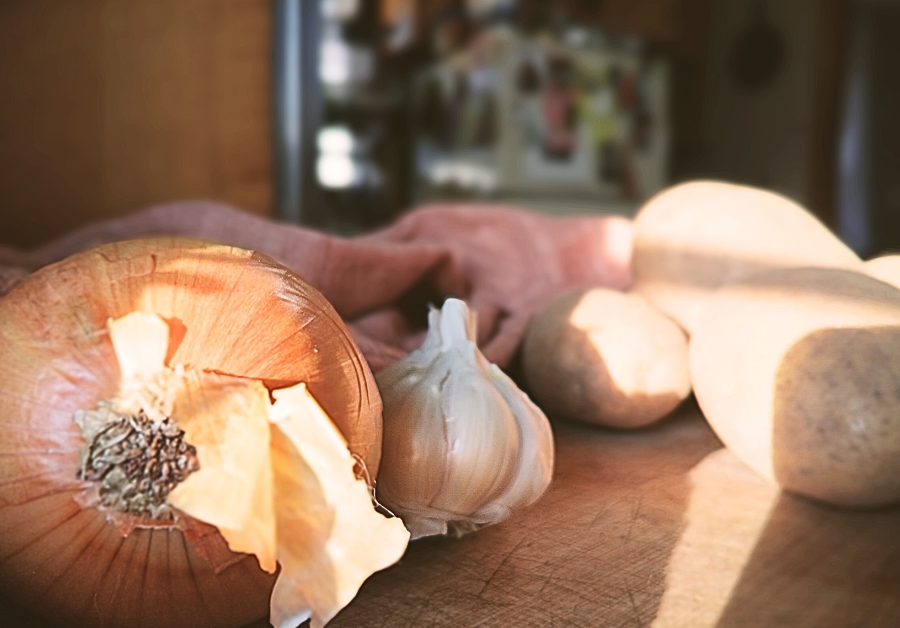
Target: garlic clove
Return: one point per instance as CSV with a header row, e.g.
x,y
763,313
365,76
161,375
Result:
x,y
463,446
535,459
471,443
418,444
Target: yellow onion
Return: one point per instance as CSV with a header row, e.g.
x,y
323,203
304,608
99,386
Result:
x,y
232,316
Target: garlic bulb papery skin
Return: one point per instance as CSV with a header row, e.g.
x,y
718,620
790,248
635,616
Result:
x,y
463,446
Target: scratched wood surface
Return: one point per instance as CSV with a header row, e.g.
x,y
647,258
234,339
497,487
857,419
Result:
x,y
661,528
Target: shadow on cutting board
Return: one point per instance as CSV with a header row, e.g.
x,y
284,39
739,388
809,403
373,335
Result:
x,y
815,566
751,556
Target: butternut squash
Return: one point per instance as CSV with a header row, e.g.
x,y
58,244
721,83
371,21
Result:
x,y
798,372
885,268
692,238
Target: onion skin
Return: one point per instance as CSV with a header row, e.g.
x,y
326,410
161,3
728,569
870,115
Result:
x,y
230,310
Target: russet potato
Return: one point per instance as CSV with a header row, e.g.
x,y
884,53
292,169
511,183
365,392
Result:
x,y
605,357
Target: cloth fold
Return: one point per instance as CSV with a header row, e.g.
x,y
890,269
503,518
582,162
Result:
x,y
505,262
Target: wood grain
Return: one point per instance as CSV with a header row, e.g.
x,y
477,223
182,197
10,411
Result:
x,y
111,105
660,528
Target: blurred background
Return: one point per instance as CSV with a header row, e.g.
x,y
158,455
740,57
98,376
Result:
x,y
343,114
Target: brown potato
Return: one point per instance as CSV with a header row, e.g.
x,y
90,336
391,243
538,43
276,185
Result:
x,y
605,357
798,372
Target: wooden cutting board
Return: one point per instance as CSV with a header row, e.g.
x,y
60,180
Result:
x,y
661,528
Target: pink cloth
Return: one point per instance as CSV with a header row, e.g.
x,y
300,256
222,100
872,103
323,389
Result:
x,y
506,263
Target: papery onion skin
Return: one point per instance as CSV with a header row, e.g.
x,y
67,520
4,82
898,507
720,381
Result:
x,y
230,310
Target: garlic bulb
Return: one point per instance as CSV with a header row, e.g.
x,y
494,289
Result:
x,y
463,446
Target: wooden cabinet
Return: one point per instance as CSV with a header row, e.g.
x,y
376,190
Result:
x,y
112,105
